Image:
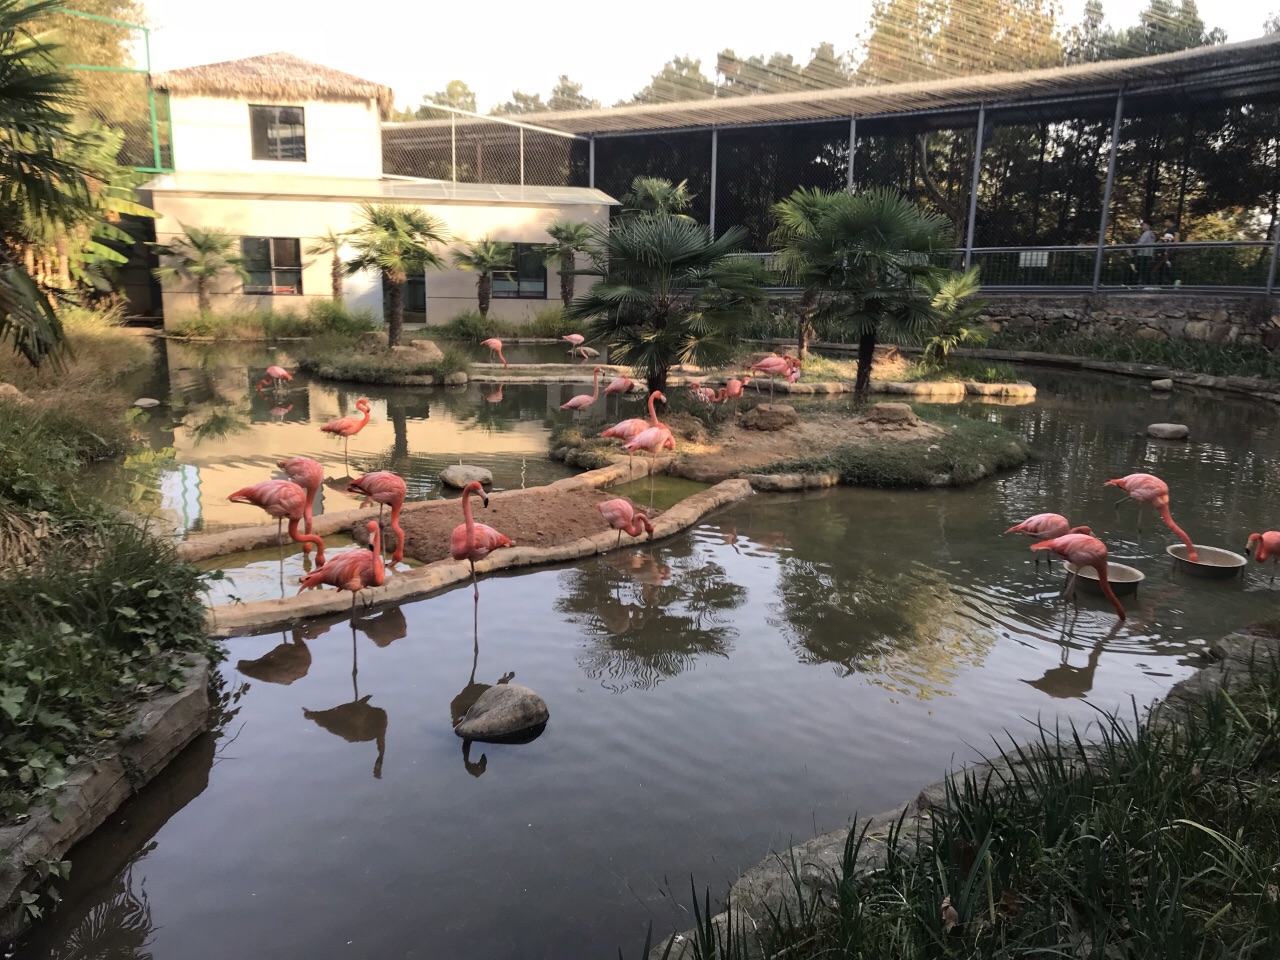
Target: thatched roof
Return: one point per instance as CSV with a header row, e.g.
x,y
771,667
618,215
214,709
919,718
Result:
x,y
273,76
1228,71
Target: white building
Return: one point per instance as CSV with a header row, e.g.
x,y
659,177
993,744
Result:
x,y
277,150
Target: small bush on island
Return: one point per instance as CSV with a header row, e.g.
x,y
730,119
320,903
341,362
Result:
x,y
320,318
344,358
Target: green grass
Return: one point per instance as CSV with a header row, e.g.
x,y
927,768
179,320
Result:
x,y
968,450
321,317
960,368
1157,843
341,358
1191,356
471,327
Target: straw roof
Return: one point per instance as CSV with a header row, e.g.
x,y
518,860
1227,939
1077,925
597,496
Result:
x,y
273,76
1219,72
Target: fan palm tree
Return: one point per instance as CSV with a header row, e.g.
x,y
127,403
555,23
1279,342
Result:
x,y
797,217
571,238
200,257
668,293
658,195
485,256
330,244
394,241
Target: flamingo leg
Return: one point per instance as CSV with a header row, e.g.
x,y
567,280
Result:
x,y
475,587
1069,592
1121,500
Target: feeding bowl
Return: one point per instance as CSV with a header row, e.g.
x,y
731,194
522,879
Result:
x,y
1214,563
1124,580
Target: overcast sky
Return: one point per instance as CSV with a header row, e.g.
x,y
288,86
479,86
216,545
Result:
x,y
497,45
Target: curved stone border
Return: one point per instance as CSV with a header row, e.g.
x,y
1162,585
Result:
x,y
230,619
160,729
784,482
769,888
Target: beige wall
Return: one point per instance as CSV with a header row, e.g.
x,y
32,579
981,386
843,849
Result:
x,y
211,134
449,291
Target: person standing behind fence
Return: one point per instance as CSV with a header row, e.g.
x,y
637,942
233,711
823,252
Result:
x,y
1168,238
1145,254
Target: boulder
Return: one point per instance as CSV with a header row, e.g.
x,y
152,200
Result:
x,y
458,475
770,416
11,393
146,403
892,413
403,348
429,350
503,711
372,341
1168,431
1162,385
455,379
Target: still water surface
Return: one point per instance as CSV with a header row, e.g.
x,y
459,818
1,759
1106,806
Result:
x,y
790,661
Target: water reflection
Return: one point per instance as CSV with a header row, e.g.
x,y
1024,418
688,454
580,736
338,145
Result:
x,y
358,721
470,693
286,661
1066,680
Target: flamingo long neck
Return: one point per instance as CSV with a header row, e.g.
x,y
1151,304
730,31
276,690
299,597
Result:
x,y
379,568
653,415
309,506
1101,567
595,385
1167,517
637,525
470,521
395,525
306,539
364,407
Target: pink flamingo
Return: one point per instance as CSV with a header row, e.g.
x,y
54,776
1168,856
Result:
x,y
385,488
629,429
494,344
1046,526
1084,551
473,541
653,439
278,374
704,394
732,390
1145,488
772,367
284,500
619,386
582,401
307,474
353,570
1268,549
575,341
624,518
348,427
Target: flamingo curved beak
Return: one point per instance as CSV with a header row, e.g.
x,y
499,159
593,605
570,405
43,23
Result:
x,y
484,498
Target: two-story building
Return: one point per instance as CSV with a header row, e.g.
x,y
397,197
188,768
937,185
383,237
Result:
x,y
277,150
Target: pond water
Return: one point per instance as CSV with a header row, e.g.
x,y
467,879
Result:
x,y
791,660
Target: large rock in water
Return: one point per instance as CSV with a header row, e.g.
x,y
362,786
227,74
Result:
x,y
770,416
429,350
589,352
1168,431
146,403
458,475
456,379
1162,385
503,711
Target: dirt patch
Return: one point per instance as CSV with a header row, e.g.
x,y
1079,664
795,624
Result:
x,y
736,450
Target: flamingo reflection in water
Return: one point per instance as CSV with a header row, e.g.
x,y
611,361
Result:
x,y
287,661
469,694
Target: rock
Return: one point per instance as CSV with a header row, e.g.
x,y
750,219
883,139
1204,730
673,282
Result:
x,y
428,348
504,710
9,392
458,475
770,416
891,413
1162,385
402,348
1168,431
455,379
372,341
146,403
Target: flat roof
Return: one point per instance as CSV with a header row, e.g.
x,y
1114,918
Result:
x,y
255,186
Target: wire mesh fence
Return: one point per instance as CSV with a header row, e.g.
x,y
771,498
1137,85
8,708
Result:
x,y
468,149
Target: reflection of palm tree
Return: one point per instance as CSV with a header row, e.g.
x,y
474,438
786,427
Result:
x,y
218,425
469,694
119,926
357,721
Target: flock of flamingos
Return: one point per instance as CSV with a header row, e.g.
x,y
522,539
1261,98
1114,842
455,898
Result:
x,y
293,500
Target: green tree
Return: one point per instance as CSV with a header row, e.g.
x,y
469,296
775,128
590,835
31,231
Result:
x,y
780,73
567,95
570,238
393,242
485,256
657,195
1164,27
797,219
668,293
455,94
681,78
330,244
200,257
519,103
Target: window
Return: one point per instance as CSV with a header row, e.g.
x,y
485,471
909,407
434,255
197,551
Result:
x,y
274,265
278,133
528,281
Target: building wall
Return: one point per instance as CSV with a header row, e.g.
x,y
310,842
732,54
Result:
x,y
211,134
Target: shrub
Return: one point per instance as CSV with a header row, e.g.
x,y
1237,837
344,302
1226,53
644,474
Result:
x,y
339,358
469,325
320,317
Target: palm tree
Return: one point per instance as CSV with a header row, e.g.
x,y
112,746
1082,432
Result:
x,y
330,244
869,253
395,241
797,217
658,195
571,238
485,256
200,257
668,293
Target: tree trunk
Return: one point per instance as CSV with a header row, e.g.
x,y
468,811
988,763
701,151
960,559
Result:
x,y
567,264
804,328
63,263
866,356
202,294
335,278
657,380
395,311
484,290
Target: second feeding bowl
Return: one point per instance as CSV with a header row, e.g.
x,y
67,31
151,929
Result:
x,y
1124,580
1214,563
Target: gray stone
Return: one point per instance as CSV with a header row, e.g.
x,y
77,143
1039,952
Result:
x,y
455,379
1168,431
146,403
504,710
589,352
770,416
1162,385
429,350
458,475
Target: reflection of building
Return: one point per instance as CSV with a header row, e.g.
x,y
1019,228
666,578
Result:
x,y
180,496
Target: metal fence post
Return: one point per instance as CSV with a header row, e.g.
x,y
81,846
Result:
x,y
715,148
1106,191
591,163
1275,258
973,186
453,148
522,156
853,150
151,103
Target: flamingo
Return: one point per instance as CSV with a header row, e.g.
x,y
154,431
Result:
x,y
705,394
353,570
473,541
284,500
1145,488
624,518
732,390
629,429
385,488
772,367
1084,551
278,374
582,401
307,474
494,344
575,341
1046,525
495,396
1268,548
653,439
619,386
348,427
279,413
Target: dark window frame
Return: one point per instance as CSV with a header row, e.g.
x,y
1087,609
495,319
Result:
x,y
290,264
263,151
514,276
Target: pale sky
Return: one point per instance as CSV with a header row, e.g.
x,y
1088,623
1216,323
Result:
x,y
611,48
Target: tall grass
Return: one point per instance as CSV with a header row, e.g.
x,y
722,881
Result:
x,y
469,326
102,353
321,317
